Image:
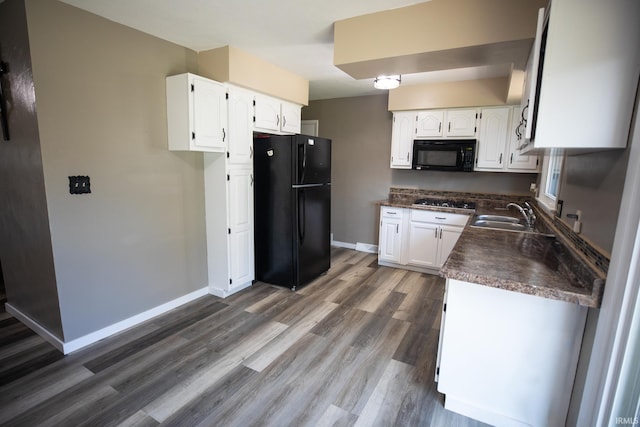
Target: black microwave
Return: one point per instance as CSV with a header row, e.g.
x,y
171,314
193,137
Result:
x,y
444,154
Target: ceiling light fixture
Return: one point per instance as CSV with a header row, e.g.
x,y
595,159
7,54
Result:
x,y
387,82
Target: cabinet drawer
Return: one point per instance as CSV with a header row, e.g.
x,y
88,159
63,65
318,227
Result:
x,y
389,212
420,215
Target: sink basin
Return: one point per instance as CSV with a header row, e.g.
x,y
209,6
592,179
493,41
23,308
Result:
x,y
498,218
502,225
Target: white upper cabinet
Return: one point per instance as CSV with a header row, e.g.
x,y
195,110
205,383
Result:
x,y
291,117
492,140
402,134
518,162
461,123
276,116
589,75
497,147
240,142
429,123
196,114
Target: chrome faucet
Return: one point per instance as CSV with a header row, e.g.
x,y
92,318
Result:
x,y
528,214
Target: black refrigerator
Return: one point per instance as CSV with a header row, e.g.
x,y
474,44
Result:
x,y
292,202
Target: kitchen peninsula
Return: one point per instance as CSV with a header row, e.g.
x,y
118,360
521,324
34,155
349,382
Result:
x,y
513,318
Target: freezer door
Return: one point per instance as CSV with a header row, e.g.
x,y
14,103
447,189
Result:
x,y
312,160
312,232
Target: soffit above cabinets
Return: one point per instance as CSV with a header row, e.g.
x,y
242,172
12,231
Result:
x,y
436,35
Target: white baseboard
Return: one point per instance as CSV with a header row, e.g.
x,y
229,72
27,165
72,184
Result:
x,y
221,293
367,247
78,343
362,247
35,327
342,244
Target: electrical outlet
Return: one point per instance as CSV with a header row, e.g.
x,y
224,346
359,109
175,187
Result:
x,y
79,185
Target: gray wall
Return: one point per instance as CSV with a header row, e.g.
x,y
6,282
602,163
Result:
x,y
360,128
593,183
25,243
138,240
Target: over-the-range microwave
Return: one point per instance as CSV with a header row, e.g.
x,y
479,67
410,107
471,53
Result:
x,y
444,154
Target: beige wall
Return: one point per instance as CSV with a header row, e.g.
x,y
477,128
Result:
x,y
229,64
468,93
423,38
25,244
138,240
360,129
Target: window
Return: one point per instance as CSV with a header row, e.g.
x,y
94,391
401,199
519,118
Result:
x,y
550,178
553,174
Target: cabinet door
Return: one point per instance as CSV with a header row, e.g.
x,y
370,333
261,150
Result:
x,y
390,240
492,140
461,123
209,113
430,123
448,238
240,143
267,113
402,139
240,217
423,244
291,119
517,161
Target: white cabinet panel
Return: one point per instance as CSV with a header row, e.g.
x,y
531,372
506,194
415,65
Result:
x,y
390,245
402,139
196,114
517,161
240,143
240,191
461,122
492,141
448,238
423,244
429,123
276,116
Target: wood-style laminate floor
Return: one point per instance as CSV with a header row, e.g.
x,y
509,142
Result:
x,y
355,347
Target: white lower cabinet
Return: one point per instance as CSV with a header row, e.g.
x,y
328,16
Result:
x,y
229,225
418,239
507,358
391,231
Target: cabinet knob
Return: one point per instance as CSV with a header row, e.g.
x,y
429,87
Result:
x,y
500,158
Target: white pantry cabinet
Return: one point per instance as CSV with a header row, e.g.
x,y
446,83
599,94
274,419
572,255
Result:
x,y
196,114
417,239
276,116
402,135
229,225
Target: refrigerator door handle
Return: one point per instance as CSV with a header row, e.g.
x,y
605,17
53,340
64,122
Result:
x,y
302,213
304,160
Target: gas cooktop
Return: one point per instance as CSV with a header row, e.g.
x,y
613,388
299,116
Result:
x,y
445,203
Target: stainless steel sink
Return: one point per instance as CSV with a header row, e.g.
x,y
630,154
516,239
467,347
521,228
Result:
x,y
502,225
498,218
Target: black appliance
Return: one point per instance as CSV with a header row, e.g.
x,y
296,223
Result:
x,y
292,196
444,154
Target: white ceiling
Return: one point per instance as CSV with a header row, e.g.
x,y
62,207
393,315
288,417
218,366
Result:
x,y
296,35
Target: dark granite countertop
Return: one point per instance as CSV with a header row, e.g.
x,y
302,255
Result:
x,y
528,263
